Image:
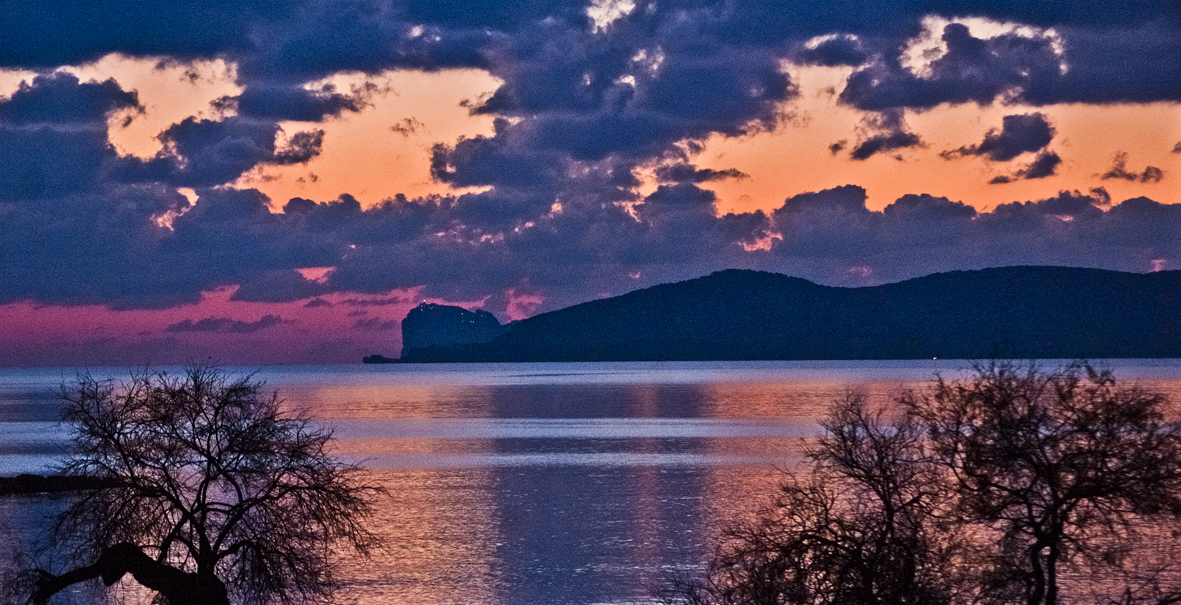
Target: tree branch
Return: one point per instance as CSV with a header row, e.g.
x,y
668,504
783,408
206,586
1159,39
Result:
x,y
179,587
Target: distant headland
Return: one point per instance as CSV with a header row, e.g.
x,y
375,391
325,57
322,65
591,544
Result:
x,y
1011,312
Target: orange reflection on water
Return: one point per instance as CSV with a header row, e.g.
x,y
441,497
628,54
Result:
x,y
440,540
510,492
391,401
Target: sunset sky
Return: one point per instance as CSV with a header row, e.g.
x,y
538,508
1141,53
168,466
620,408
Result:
x,y
280,181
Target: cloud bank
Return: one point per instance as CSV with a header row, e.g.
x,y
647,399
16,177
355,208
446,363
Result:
x,y
591,99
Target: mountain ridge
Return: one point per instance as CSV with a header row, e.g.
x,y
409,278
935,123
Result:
x,y
738,314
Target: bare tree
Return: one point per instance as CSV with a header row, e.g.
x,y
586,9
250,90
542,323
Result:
x,y
1004,487
220,493
860,527
1058,465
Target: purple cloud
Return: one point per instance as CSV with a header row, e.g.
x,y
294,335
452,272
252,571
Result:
x,y
224,325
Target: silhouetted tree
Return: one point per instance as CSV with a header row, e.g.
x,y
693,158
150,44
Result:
x,y
220,493
980,490
860,527
1059,463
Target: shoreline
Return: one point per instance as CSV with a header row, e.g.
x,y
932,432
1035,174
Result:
x,y
26,484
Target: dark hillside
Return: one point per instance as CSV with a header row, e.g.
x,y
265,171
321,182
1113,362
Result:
x,y
1047,312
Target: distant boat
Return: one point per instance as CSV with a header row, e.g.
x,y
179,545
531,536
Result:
x,y
378,359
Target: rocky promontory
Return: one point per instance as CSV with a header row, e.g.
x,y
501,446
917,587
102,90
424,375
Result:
x,y
431,326
1006,312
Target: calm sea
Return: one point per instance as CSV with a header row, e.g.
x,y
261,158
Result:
x,y
523,484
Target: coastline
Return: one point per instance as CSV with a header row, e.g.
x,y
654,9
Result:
x,y
26,484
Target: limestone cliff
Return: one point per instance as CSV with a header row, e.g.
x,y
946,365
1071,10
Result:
x,y
434,326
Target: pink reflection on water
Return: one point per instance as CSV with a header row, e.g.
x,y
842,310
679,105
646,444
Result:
x,y
537,484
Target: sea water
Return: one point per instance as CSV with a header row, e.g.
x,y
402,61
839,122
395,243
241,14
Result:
x,y
522,484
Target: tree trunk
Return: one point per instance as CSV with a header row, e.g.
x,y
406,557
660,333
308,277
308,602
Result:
x,y
1052,574
1037,591
178,587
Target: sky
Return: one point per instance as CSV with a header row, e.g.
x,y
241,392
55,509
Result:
x,y
266,181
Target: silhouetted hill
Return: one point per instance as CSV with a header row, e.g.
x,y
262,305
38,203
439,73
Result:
x,y
430,325
1019,312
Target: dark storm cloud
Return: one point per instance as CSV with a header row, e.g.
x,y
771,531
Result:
x,y
580,252
838,50
232,237
1019,134
501,159
48,34
561,254
1130,44
580,112
206,153
318,39
882,132
664,73
109,248
634,92
61,99
886,141
1138,63
833,233
47,163
327,37
279,102
544,50
680,221
834,228
224,324
1094,63
93,248
279,285
40,35
1044,165
53,136
844,200
972,70
375,302
1119,170
495,14
686,173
